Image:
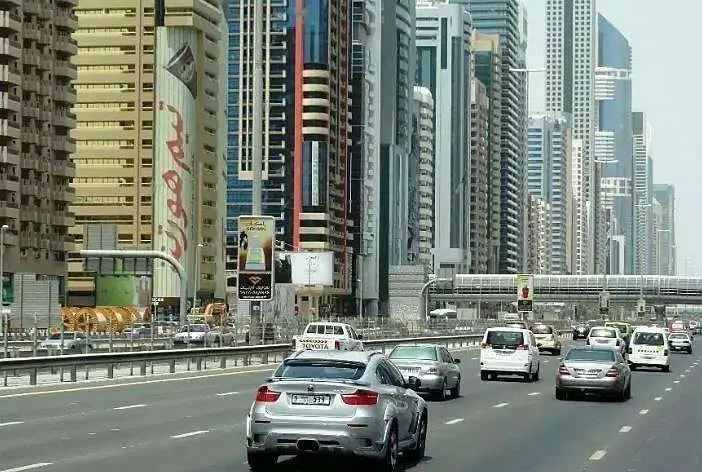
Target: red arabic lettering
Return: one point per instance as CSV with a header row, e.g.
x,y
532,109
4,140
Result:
x,y
174,182
176,146
177,235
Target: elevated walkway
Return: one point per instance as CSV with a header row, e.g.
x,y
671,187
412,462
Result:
x,y
654,289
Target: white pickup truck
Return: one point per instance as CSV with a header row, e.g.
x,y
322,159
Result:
x,y
322,335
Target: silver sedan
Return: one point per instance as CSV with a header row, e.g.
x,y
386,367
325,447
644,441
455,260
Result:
x,y
589,369
353,403
435,367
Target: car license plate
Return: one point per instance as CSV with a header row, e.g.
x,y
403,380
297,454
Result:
x,y
409,371
323,400
648,357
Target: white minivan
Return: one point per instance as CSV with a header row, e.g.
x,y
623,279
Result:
x,y
509,351
649,348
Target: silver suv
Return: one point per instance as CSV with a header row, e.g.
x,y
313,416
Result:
x,y
331,402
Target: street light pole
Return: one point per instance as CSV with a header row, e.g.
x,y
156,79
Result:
x,y
196,282
5,317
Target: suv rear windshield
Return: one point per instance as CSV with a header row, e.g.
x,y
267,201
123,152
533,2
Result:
x,y
505,338
590,355
541,329
678,336
602,333
424,353
649,339
320,369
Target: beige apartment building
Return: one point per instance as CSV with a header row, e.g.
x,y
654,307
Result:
x,y
120,181
35,144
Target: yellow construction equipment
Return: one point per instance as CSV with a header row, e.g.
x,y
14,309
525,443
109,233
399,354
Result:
x,y
102,318
214,314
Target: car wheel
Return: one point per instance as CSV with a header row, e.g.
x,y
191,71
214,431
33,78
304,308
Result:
x,y
392,450
666,368
416,454
632,366
456,391
561,395
442,393
627,391
484,375
261,461
535,377
527,376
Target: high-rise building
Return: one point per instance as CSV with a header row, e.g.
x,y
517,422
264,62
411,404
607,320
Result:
x,y
506,18
149,145
36,95
549,177
278,122
643,194
613,138
665,232
479,184
423,148
539,257
579,254
658,266
444,66
571,57
488,70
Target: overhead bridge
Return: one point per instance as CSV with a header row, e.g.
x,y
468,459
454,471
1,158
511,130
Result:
x,y
654,289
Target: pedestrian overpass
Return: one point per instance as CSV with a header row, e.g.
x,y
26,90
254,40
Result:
x,y
655,289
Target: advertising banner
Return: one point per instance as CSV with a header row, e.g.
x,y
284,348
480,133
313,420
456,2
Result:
x,y
256,255
604,302
122,290
174,154
312,268
525,292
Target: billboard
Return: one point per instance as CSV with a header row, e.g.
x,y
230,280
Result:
x,y
256,255
175,134
122,290
312,268
525,292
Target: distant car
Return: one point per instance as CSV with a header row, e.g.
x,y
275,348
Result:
x,y
433,365
548,338
611,337
71,340
335,402
590,369
680,342
517,324
580,331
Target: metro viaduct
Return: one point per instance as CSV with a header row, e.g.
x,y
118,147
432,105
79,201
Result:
x,y
655,289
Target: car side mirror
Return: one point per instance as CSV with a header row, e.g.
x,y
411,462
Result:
x,y
413,383
456,361
360,336
539,344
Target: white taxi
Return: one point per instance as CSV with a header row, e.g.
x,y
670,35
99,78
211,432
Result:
x,y
649,348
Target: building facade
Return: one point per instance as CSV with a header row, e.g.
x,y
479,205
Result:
x,y
139,83
658,266
539,252
613,138
665,246
549,174
643,194
36,96
506,19
423,126
571,57
479,184
443,38
488,71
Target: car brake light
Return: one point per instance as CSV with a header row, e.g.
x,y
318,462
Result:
x,y
613,373
361,397
563,370
486,346
432,370
266,395
337,344
521,347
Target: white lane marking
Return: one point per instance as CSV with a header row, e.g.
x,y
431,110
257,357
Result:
x,y
687,370
682,376
130,407
472,358
115,429
625,429
11,423
36,465
533,394
187,435
457,420
643,412
597,455
226,394
546,361
676,381
501,405
92,434
657,399
668,389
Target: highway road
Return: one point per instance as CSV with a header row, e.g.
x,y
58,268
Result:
x,y
196,424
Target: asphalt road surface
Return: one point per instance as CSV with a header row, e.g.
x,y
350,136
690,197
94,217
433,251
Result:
x,y
196,424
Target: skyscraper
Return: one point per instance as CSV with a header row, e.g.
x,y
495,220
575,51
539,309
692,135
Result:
x,y
479,184
571,56
549,177
538,257
444,66
665,233
613,138
643,194
423,116
506,19
148,139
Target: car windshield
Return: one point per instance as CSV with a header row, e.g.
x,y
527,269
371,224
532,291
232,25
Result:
x,y
590,355
678,336
541,329
505,338
602,333
516,325
65,336
422,353
194,328
649,339
622,327
320,369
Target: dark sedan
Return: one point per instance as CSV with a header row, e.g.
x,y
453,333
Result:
x,y
580,331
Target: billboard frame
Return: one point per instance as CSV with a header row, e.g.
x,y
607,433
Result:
x,y
256,263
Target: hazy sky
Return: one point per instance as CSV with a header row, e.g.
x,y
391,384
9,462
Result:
x,y
666,80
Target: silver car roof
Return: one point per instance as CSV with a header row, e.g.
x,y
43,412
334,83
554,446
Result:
x,y
333,354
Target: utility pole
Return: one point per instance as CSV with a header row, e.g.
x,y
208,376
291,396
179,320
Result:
x,y
257,149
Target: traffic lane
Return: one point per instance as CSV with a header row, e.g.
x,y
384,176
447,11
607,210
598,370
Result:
x,y
545,435
667,436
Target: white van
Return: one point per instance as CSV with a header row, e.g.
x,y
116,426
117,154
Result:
x,y
649,348
509,351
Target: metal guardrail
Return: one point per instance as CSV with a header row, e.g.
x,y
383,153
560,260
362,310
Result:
x,y
264,354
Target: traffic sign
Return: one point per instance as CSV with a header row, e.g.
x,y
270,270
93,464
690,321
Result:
x,y
525,292
604,302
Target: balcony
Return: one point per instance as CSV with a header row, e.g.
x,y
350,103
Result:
x,y
9,155
9,182
30,83
9,128
62,243
30,135
65,168
9,210
31,58
65,120
64,94
63,193
10,21
63,218
9,102
9,47
65,69
30,109
64,19
66,44
65,144
31,6
10,75
30,187
29,161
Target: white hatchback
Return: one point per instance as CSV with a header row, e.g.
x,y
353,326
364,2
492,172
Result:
x,y
649,348
509,351
607,337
